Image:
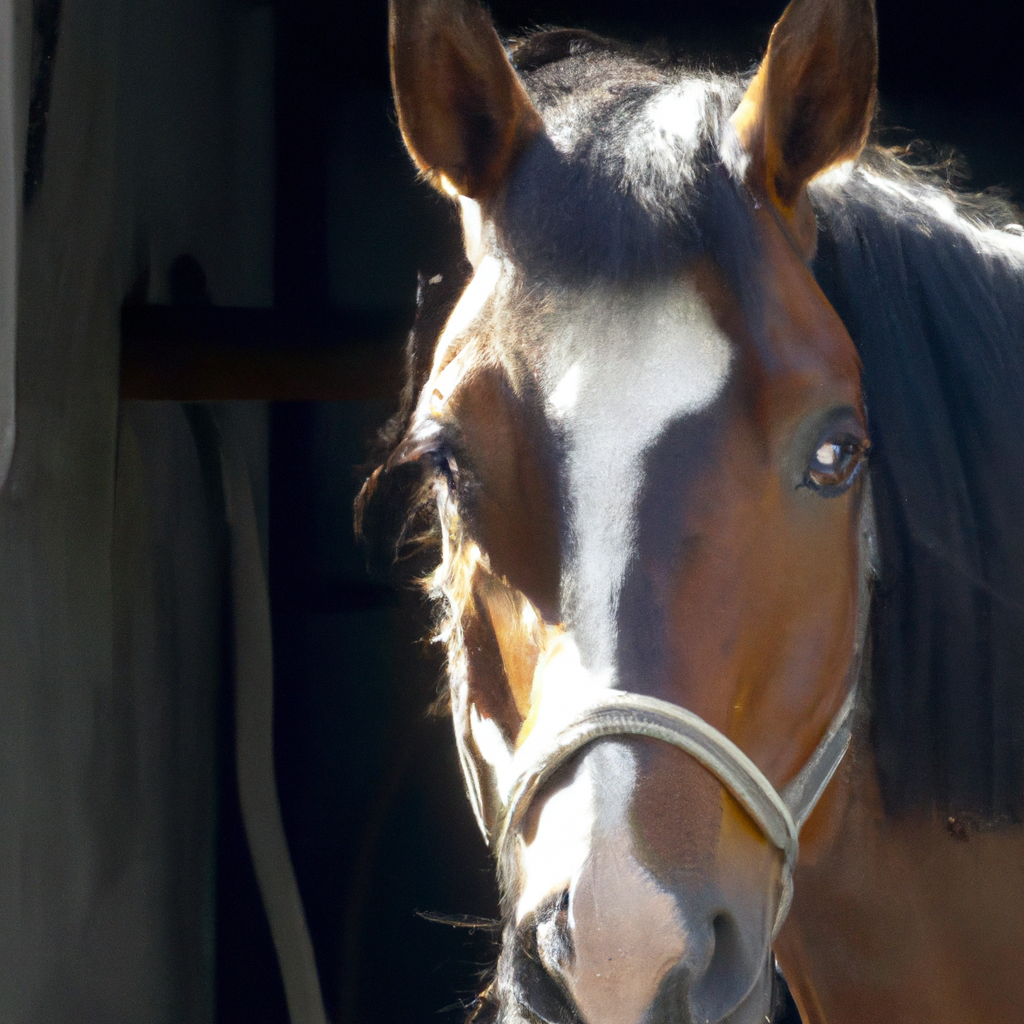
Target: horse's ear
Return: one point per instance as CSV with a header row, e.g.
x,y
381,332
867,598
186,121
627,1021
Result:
x,y
463,112
811,102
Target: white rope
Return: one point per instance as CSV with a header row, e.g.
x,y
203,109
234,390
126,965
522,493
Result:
x,y
254,747
10,202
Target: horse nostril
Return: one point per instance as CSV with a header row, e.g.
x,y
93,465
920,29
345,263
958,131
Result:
x,y
563,903
553,937
728,977
728,945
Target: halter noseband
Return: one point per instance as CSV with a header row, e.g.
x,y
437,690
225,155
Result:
x,y
610,713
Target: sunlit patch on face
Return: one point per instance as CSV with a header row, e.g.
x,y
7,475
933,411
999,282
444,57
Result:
x,y
563,398
554,845
444,383
561,689
557,849
591,804
466,310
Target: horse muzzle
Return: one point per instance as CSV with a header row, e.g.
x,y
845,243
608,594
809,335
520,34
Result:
x,y
625,946
636,940
687,957
616,713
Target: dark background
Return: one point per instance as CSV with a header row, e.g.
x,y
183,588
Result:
x,y
371,796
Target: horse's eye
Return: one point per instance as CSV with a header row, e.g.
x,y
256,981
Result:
x,y
835,464
446,467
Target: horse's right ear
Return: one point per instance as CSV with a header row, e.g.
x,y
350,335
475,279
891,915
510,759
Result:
x,y
811,102
464,114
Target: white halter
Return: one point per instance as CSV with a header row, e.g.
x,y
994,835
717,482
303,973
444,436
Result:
x,y
780,816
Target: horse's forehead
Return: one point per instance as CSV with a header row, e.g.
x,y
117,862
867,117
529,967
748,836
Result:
x,y
600,355
618,368
626,360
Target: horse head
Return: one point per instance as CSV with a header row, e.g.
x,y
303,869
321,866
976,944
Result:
x,y
643,433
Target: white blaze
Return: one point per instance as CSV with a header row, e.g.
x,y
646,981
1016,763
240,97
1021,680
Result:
x,y
626,929
635,363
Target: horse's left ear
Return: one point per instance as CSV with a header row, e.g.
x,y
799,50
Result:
x,y
464,114
811,102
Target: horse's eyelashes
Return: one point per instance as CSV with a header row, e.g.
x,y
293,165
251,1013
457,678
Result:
x,y
446,467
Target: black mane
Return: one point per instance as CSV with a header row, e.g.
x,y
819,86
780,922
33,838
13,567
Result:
x,y
932,292
610,209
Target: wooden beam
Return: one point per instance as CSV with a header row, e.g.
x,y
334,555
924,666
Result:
x,y
217,353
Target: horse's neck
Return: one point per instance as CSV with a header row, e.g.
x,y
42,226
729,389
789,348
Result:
x,y
914,921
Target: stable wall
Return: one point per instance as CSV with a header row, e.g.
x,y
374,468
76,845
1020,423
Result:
x,y
158,142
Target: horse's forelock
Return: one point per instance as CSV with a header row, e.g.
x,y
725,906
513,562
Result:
x,y
631,178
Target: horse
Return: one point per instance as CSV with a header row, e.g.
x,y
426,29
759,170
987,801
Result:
x,y
708,457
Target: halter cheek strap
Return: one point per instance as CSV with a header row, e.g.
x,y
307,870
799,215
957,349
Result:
x,y
608,713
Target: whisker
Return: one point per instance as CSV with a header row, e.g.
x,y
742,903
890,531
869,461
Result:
x,y
486,924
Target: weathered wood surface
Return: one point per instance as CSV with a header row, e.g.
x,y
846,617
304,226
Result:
x,y
110,568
